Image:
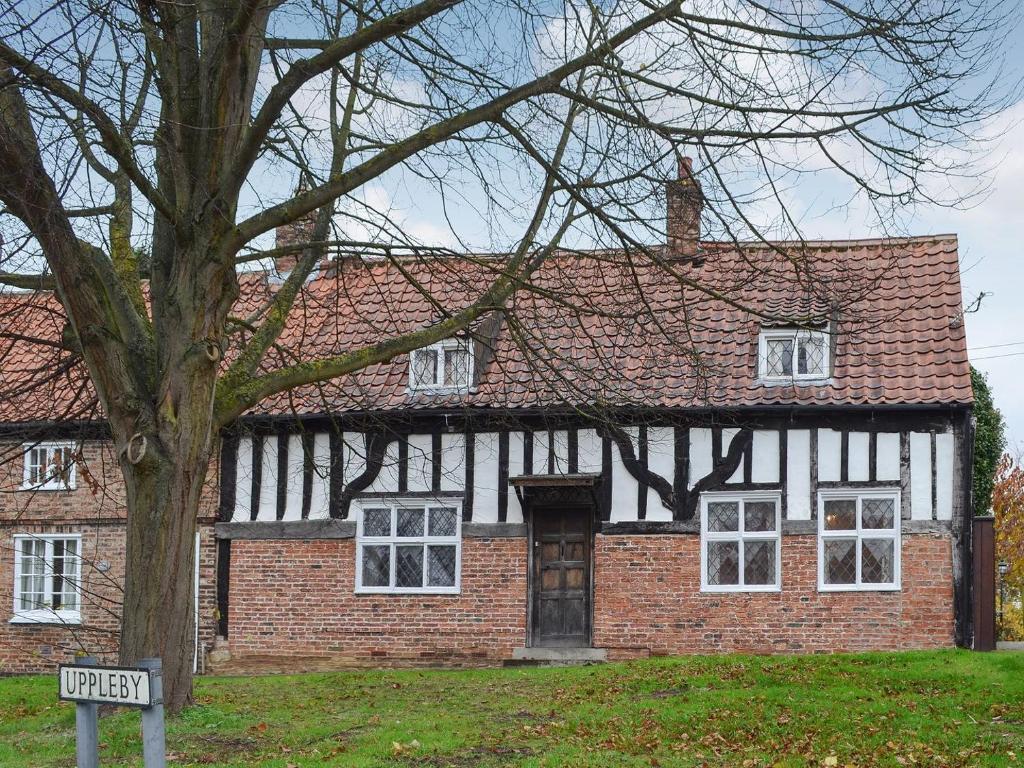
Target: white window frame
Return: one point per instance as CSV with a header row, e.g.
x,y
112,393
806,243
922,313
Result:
x,y
741,536
395,540
895,534
53,483
796,335
46,615
442,348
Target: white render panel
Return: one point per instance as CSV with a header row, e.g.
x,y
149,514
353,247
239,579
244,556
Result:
x,y
765,467
728,433
887,456
319,503
829,454
858,456
944,476
661,460
453,462
387,480
560,447
625,489
293,492
700,455
353,454
268,480
798,474
541,440
515,467
420,464
920,476
589,459
243,481
485,478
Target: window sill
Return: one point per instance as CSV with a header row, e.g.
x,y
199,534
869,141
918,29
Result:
x,y
46,618
441,390
860,588
46,488
794,381
408,592
733,589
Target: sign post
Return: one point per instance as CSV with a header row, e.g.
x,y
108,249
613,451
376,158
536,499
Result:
x,y
89,685
87,728
154,753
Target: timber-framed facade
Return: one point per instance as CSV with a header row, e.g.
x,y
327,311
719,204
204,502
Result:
x,y
796,485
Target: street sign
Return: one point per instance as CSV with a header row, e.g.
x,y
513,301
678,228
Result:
x,y
89,685
126,686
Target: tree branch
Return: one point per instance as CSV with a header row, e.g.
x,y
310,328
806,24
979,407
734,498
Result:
x,y
437,133
304,70
111,139
28,282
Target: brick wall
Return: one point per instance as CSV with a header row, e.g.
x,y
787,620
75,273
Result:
x,y
648,600
292,604
296,599
96,510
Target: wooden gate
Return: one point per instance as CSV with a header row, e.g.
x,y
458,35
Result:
x,y
984,548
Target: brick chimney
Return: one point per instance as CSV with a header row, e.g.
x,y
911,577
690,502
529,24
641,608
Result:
x,y
685,201
298,232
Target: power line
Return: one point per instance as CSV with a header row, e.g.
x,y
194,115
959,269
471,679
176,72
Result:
x,y
997,346
996,357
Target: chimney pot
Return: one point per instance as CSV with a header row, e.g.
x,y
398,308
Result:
x,y
684,204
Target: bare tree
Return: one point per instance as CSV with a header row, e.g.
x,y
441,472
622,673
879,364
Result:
x,y
144,146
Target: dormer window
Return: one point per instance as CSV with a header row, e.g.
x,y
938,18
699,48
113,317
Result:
x,y
445,366
788,354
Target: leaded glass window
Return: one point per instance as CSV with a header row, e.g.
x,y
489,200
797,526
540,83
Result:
x,y
787,354
456,366
424,368
446,366
740,542
859,533
408,546
780,357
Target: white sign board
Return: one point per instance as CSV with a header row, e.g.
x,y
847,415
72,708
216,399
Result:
x,y
106,685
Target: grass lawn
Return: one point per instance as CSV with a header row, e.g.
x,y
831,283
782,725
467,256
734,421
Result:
x,y
949,708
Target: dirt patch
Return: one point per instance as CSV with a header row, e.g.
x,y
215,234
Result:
x,y
475,757
667,693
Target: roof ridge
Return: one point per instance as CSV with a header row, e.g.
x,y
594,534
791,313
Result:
x,y
837,243
950,237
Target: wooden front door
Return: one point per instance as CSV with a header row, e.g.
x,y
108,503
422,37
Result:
x,y
560,582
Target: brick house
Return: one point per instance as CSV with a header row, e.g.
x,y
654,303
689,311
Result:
x,y
795,477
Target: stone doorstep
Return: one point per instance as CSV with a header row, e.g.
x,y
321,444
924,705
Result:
x,y
556,657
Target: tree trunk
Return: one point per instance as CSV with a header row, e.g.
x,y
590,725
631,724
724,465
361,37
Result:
x,y
158,618
165,462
